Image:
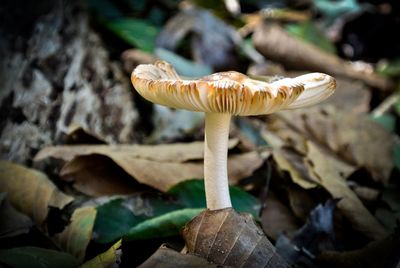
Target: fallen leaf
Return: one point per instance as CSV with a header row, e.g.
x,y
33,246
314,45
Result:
x,y
168,224
276,218
115,218
293,162
355,139
377,254
181,152
329,177
216,50
110,258
143,216
276,44
351,96
313,237
169,258
77,134
76,237
30,191
174,162
12,221
366,194
191,193
96,175
214,236
36,258
300,201
326,170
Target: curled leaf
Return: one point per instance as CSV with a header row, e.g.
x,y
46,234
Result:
x,y
30,191
356,140
226,238
168,224
76,237
276,44
110,258
350,205
159,166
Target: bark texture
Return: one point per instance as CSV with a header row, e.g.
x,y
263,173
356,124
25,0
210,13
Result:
x,y
55,75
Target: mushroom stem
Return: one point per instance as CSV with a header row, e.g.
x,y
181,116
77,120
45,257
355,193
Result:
x,y
215,160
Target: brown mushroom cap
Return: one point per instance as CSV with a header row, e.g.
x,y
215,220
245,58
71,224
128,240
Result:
x,y
228,92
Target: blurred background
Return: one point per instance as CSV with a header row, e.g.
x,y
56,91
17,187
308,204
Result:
x,y
323,182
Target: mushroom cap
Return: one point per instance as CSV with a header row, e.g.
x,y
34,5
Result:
x,y
229,92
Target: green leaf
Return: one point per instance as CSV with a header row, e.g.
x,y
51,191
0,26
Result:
x,y
36,257
388,121
191,194
183,66
309,33
115,218
150,216
165,225
136,32
389,68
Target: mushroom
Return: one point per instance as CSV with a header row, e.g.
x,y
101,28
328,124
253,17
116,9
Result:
x,y
220,96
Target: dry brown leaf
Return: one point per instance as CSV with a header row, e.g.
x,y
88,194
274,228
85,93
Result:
x,y
351,96
160,166
76,237
226,238
97,175
366,194
179,152
356,139
169,258
276,44
30,191
325,169
276,218
377,254
292,162
300,202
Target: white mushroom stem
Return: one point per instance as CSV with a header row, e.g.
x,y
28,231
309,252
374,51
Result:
x,y
215,160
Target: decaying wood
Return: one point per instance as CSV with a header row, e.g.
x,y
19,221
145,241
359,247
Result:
x,y
276,44
57,74
227,238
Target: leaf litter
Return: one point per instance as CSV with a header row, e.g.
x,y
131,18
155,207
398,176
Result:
x,y
331,170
